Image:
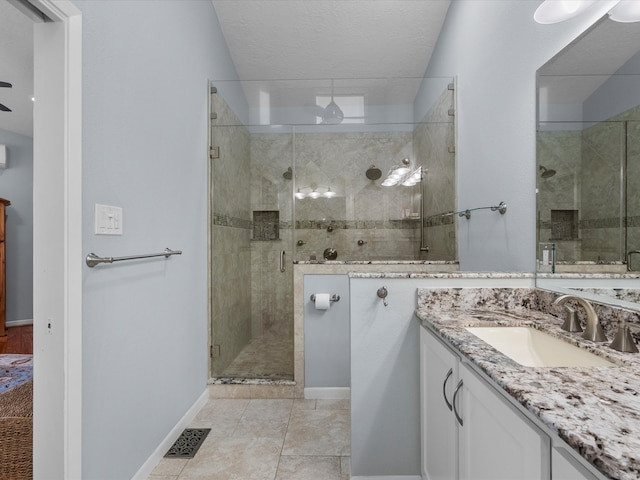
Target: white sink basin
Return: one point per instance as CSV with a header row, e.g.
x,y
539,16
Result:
x,y
532,348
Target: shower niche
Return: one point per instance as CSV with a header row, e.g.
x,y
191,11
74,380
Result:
x,y
266,225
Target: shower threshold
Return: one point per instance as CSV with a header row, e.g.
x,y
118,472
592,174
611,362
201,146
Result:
x,y
248,381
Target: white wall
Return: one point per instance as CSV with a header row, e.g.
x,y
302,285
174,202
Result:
x,y
145,71
16,185
494,47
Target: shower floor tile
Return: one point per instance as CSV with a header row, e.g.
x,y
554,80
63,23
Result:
x,y
269,357
301,440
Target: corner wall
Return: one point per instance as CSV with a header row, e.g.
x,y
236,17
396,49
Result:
x,y
146,67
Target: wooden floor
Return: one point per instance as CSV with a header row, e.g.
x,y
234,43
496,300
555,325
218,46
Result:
x,y
18,340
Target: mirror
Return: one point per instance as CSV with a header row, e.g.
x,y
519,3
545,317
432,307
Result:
x,y
588,165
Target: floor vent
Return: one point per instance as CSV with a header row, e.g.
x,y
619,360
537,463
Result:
x,y
188,443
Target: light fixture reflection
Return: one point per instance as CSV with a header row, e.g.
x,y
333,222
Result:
x,y
627,11
555,11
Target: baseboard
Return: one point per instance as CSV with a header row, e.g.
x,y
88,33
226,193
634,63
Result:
x,y
148,466
326,393
19,323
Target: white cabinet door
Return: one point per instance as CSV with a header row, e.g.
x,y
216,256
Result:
x,y
496,442
439,375
564,467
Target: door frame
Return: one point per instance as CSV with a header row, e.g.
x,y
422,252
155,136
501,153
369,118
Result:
x,y
57,280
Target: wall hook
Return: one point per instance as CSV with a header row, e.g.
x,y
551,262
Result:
x,y
382,293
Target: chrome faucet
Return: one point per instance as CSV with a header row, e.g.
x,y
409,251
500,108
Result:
x,y
593,330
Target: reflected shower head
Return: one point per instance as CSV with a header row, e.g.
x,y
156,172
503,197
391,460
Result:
x,y
288,175
546,173
373,173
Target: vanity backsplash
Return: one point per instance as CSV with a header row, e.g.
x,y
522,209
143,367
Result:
x,y
518,299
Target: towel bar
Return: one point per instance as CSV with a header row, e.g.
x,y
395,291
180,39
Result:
x,y
93,259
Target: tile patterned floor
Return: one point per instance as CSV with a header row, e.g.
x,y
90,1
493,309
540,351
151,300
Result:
x,y
267,439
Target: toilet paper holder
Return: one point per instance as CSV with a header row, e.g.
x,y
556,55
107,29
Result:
x,y
334,298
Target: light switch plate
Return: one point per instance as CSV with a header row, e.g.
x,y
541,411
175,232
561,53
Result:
x,y
108,220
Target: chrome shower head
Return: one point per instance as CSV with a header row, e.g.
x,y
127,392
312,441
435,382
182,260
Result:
x,y
373,173
288,175
547,173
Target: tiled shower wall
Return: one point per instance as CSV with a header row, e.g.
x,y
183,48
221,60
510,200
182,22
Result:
x,y
230,248
588,179
271,289
364,221
381,217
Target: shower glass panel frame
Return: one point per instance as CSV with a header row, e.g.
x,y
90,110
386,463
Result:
x,y
271,152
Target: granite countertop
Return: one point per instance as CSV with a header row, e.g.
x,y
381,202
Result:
x,y
595,410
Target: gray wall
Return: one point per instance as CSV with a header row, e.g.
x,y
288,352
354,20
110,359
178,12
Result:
x,y
326,333
385,378
145,71
16,185
495,61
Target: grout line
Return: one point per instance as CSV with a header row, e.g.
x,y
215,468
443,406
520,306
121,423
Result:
x,y
284,439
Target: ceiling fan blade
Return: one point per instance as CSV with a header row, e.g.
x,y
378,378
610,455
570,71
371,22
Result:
x,y
4,109
5,84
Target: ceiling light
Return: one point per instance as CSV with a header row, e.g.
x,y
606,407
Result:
x,y
415,177
399,174
299,195
314,194
332,114
554,11
626,11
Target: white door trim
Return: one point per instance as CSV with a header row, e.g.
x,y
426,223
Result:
x,y
58,243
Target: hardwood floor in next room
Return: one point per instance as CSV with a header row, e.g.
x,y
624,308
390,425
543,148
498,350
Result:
x,y
18,340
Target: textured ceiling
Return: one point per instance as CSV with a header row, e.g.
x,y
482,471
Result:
x,y
320,39
378,49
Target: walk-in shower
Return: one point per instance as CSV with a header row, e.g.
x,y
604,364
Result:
x,y
285,184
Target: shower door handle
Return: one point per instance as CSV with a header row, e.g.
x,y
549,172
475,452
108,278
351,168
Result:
x,y
282,268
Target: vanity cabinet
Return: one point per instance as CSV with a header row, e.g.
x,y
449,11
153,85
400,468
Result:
x,y
565,467
438,425
469,432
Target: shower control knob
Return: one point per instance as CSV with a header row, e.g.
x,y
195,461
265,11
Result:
x,y
361,242
330,254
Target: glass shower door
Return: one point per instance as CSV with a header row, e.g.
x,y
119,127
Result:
x,y
250,279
